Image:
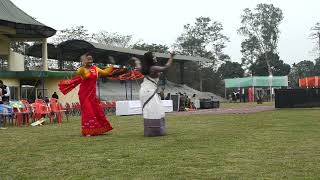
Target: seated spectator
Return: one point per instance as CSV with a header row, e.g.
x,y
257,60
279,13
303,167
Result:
x,y
162,95
5,93
168,97
55,95
192,101
182,103
46,99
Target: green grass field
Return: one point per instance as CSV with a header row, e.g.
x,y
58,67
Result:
x,y
244,105
281,144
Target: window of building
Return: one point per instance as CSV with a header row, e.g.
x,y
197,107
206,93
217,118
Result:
x,y
14,93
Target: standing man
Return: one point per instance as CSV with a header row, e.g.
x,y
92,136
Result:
x,y
55,95
5,93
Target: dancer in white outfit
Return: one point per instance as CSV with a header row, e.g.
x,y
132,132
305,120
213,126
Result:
x,y
153,112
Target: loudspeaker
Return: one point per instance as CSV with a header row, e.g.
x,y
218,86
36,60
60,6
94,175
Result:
x,y
175,102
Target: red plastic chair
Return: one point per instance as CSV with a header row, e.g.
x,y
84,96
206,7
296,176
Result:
x,y
107,107
17,115
40,101
68,109
60,108
78,108
39,111
27,111
104,106
113,106
55,110
4,119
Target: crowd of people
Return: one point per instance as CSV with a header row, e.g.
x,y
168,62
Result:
x,y
234,96
185,102
237,96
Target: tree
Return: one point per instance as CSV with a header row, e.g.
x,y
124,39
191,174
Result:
x,y
230,70
301,70
261,26
278,67
304,69
19,47
151,47
212,81
77,32
204,39
33,63
113,39
316,69
293,77
316,36
250,52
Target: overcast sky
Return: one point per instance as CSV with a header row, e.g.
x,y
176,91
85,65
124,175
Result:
x,y
162,21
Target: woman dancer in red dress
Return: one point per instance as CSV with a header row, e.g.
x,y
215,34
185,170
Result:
x,y
93,119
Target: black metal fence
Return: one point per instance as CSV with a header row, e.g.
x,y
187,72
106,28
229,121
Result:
x,y
297,98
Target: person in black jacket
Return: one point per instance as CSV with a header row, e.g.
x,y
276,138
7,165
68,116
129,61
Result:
x,y
55,95
5,95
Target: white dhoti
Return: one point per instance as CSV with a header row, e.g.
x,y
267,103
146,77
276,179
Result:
x,y
153,111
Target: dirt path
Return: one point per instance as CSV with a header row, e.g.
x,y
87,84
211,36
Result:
x,y
244,110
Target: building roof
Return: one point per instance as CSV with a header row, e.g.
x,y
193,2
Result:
x,y
24,26
71,50
141,52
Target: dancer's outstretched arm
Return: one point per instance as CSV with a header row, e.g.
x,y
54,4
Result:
x,y
165,67
105,72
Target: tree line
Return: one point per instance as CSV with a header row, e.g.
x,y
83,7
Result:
x,y
204,38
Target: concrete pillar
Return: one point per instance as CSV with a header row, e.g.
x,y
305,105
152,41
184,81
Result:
x,y
15,61
9,56
4,49
44,54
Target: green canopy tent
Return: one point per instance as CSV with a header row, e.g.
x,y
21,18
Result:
x,y
257,82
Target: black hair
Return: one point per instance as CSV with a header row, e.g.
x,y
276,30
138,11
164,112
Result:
x,y
1,82
86,54
147,62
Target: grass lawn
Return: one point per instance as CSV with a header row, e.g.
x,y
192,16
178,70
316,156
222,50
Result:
x,y
244,105
282,144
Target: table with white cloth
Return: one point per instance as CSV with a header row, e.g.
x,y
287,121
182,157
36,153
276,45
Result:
x,y
134,107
